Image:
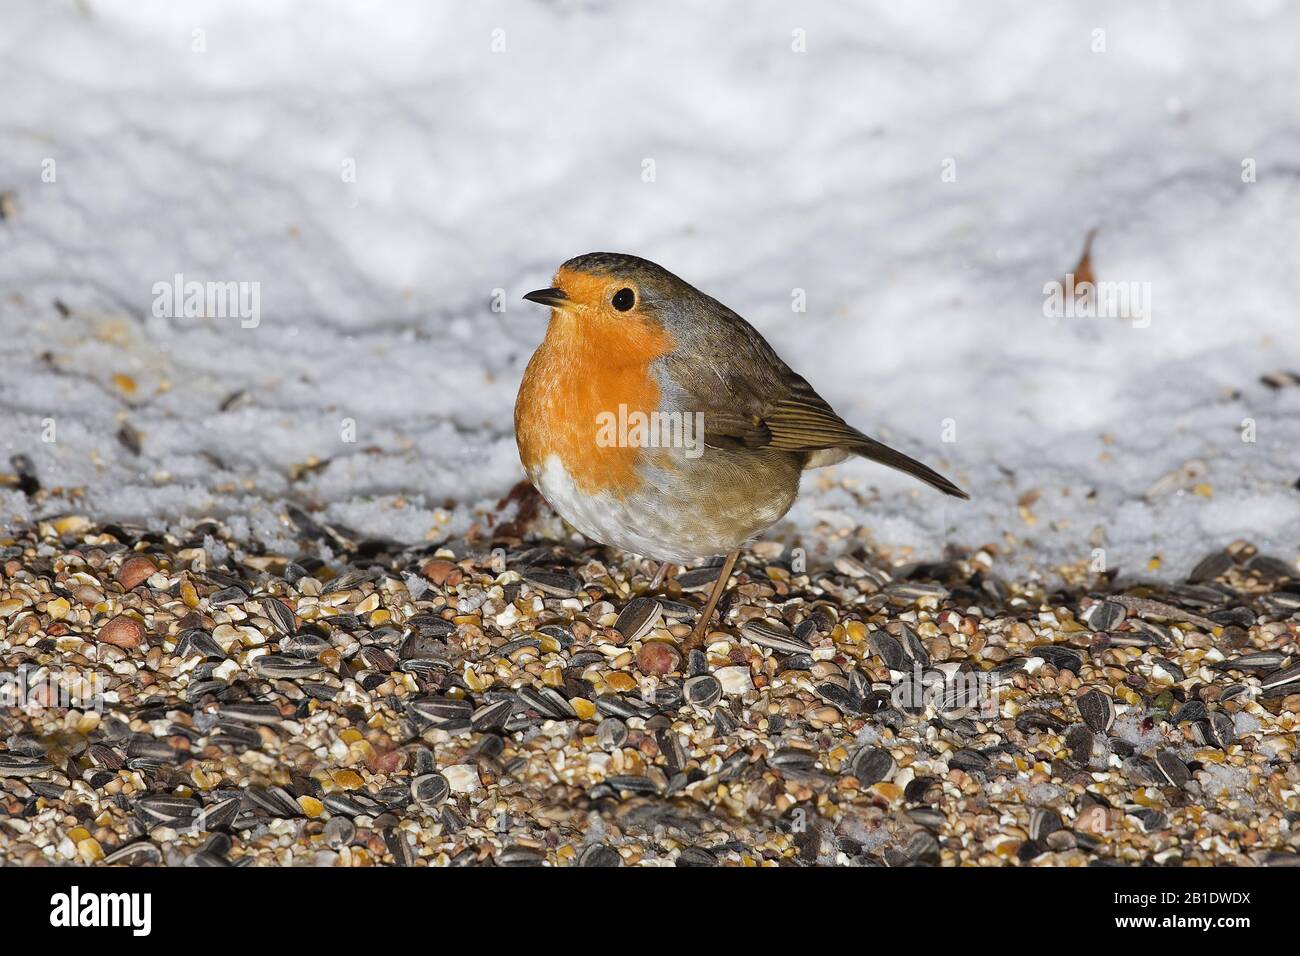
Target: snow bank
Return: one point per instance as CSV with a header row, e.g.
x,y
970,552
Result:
x,y
919,170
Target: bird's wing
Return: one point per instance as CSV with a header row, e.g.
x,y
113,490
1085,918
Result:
x,y
751,399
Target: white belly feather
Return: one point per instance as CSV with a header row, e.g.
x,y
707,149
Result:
x,y
660,521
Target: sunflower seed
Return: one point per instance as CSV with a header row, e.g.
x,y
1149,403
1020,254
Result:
x,y
196,642
1282,603
1060,657
696,856
1190,712
48,790
549,582
279,615
703,691
773,634
533,699
1240,616
508,648
219,815
723,722
1151,819
231,595
274,800
792,759
106,757
670,745
913,591
638,618
889,649
1097,711
440,710
558,705
1142,771
430,626
1037,720
1233,691
614,705
971,761
491,716
1104,615
633,784
960,700
399,845
16,765
139,853
927,817
279,666
850,566
1222,731
1079,740
599,855
1270,568
1281,678
1146,633
1213,565
1139,638
347,581
344,805
304,646
1146,607
168,811
1169,669
1173,769
247,712
835,691
611,733
378,659
1043,823
921,847
694,578
915,649
872,765
1260,661
141,747
521,856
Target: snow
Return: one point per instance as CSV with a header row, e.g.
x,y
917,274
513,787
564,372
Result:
x,y
774,171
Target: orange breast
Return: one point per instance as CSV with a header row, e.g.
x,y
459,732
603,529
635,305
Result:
x,y
586,366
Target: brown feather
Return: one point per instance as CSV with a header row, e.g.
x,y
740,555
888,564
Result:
x,y
779,410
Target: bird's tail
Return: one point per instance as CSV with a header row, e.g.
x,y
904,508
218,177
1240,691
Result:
x,y
874,450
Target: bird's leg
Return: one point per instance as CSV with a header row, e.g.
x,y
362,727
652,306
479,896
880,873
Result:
x,y
658,580
702,625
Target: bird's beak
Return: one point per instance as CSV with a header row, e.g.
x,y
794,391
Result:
x,y
552,297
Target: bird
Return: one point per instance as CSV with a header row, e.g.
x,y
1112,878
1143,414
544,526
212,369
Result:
x,y
656,420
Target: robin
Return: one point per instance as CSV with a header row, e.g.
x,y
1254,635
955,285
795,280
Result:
x,y
654,419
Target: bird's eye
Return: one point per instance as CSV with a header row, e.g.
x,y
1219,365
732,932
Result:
x,y
624,299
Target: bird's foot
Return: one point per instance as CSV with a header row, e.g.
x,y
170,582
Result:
x,y
701,629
